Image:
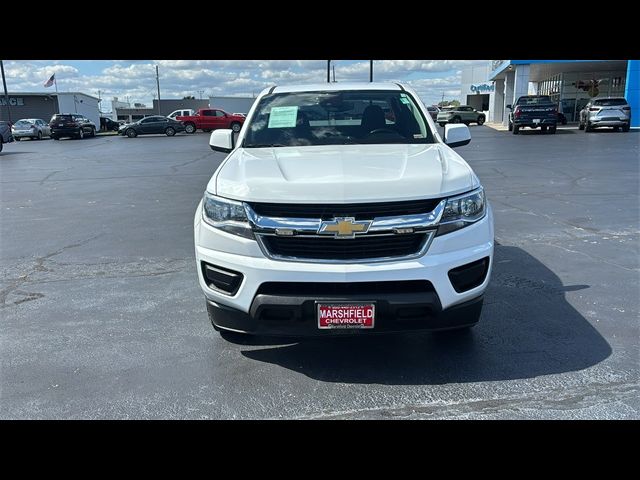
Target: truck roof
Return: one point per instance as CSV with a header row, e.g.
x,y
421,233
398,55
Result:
x,y
335,86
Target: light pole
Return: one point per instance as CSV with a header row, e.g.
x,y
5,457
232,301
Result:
x,y
371,70
328,71
6,95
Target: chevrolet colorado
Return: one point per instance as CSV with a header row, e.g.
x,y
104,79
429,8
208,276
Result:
x,y
341,210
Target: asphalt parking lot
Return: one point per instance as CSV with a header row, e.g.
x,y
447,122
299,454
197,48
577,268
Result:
x,y
102,315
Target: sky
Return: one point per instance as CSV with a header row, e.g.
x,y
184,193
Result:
x,y
135,80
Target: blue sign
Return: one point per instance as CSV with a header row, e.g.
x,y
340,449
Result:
x,y
482,88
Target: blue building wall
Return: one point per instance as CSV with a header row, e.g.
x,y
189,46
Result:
x,y
632,91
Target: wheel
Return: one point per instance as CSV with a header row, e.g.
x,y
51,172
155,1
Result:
x,y
616,129
55,137
80,134
455,120
93,132
131,133
442,124
515,130
170,132
588,127
190,128
543,129
552,129
235,126
39,136
581,126
17,139
207,130
1,142
480,120
626,127
510,126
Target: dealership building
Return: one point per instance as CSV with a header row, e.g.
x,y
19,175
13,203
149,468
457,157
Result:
x,y
45,105
570,83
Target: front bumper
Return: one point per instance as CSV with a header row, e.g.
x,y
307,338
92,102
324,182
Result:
x,y
301,320
244,256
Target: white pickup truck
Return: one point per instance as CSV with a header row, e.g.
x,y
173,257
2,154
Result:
x,y
340,210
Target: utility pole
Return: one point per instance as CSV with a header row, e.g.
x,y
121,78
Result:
x,y
6,95
371,70
334,73
200,92
99,106
158,83
328,71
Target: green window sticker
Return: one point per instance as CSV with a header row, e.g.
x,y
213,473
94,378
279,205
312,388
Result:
x,y
405,100
283,117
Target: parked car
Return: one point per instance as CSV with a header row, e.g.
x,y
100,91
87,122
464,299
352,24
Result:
x,y
462,114
208,119
606,112
533,111
108,124
152,125
326,218
240,114
433,111
72,125
181,113
5,133
33,128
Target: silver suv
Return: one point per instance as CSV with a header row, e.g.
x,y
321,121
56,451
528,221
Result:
x,y
606,112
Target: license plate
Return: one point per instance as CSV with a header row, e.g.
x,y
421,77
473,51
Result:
x,y
536,120
346,315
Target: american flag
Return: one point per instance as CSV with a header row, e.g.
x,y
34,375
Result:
x,y
50,81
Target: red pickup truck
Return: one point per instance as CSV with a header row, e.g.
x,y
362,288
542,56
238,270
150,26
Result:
x,y
208,119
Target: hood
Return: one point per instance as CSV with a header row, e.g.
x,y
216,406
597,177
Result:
x,y
342,173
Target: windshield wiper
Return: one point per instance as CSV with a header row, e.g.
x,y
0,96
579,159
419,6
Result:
x,y
264,145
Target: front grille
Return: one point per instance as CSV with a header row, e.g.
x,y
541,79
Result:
x,y
320,289
365,211
358,248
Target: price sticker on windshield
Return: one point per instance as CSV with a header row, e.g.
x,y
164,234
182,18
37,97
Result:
x,y
283,117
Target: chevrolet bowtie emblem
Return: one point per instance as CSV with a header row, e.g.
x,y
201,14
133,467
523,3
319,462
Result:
x,y
344,227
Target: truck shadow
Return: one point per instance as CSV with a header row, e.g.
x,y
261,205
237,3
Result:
x,y
527,329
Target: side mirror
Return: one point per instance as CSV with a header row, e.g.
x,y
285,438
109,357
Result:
x,y
510,107
221,140
456,135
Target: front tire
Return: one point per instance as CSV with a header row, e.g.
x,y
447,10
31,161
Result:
x,y
93,132
39,137
81,134
190,128
455,120
170,132
480,120
626,127
131,133
552,129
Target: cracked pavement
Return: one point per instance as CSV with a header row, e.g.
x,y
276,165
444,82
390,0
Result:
x,y
102,316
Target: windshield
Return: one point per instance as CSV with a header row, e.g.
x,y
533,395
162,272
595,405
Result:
x,y
610,102
336,118
534,100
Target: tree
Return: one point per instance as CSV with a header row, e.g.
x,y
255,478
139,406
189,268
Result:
x,y
449,103
189,97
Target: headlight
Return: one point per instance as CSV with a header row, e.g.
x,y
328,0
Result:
x,y
226,215
462,211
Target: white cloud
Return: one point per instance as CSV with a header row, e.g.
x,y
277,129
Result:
x,y
178,78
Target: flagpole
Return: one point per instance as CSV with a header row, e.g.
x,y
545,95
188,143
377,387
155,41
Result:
x,y
55,81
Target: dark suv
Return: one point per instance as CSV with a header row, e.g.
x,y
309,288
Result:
x,y
5,133
72,125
